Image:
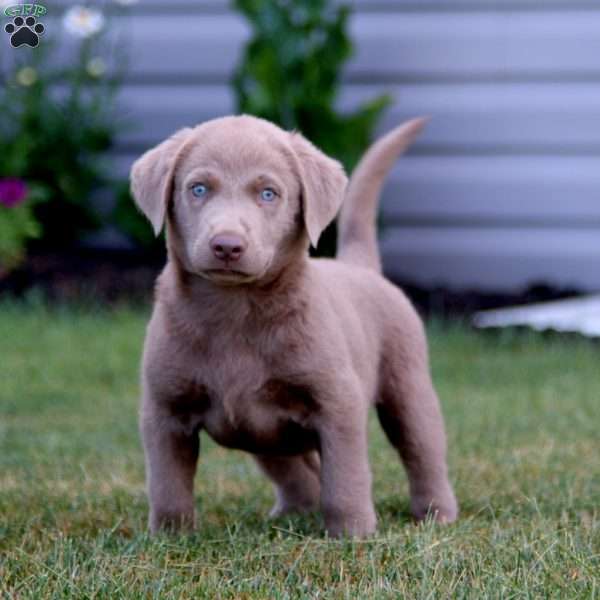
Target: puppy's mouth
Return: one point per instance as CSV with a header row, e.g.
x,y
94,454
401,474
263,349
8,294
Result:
x,y
227,276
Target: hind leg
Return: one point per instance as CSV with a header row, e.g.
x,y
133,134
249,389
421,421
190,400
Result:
x,y
296,481
410,415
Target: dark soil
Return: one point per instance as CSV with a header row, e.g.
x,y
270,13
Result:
x,y
85,275
110,276
441,302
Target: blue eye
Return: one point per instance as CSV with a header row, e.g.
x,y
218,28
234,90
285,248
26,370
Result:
x,y
199,190
268,195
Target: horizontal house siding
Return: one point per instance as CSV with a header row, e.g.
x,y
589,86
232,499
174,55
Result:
x,y
503,188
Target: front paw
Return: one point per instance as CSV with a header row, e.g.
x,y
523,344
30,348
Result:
x,y
356,524
172,521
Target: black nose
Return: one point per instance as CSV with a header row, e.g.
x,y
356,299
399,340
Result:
x,y
228,246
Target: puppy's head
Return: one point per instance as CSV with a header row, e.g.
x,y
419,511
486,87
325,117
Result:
x,y
240,196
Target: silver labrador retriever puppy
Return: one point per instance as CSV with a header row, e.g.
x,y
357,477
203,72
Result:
x,y
272,352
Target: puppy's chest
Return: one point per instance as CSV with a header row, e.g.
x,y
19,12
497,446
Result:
x,y
242,403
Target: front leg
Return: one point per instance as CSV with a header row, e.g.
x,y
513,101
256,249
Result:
x,y
346,499
171,454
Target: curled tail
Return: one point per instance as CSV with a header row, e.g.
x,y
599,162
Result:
x,y
357,224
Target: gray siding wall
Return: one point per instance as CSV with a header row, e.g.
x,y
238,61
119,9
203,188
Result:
x,y
502,190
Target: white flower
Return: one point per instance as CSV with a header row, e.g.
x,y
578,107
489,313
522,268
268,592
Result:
x,y
83,22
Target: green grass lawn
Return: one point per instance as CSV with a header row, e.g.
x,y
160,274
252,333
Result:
x,y
523,419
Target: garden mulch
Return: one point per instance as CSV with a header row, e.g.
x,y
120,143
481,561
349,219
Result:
x,y
108,276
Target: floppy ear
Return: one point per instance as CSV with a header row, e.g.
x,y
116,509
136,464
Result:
x,y
323,182
152,178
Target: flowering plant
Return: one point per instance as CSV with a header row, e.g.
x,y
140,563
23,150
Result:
x,y
17,222
57,121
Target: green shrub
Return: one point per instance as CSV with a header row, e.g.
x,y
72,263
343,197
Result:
x,y
290,74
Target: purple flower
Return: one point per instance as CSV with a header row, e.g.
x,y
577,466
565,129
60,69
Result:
x,y
12,191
